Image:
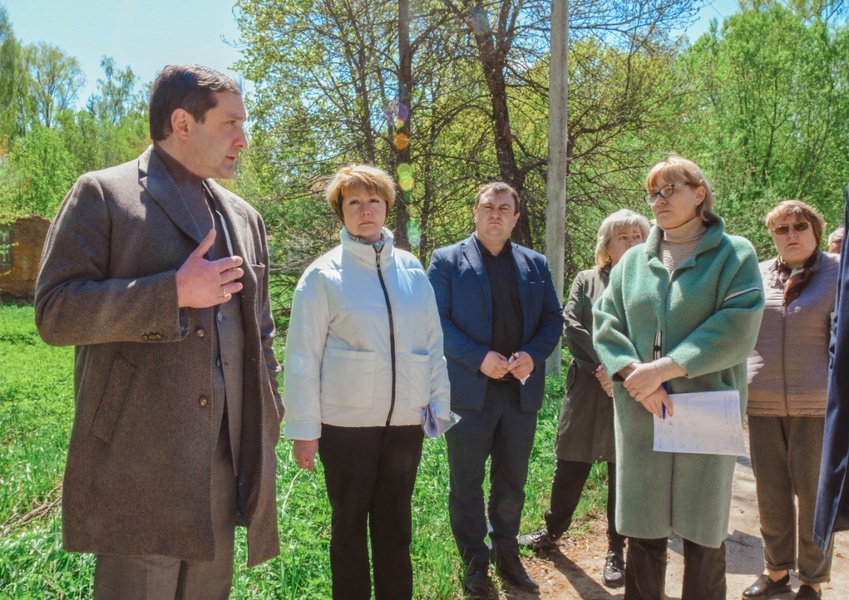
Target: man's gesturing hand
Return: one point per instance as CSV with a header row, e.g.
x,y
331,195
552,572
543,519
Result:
x,y
202,283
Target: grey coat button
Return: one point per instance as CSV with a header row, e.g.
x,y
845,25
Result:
x,y
202,401
200,332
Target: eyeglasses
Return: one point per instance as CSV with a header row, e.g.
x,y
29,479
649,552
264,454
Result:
x,y
664,192
785,229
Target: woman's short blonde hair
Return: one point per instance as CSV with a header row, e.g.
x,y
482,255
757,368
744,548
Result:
x,y
621,219
676,169
359,176
799,210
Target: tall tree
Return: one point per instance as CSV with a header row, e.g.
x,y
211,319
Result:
x,y
116,96
13,84
333,86
512,35
55,80
328,93
494,43
773,122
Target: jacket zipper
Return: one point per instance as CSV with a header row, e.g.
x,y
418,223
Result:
x,y
378,248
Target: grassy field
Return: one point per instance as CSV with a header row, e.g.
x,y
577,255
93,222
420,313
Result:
x,y
36,410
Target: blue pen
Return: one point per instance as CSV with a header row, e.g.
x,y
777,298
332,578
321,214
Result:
x,y
663,406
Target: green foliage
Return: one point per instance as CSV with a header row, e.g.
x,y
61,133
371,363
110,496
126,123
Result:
x,y
116,98
36,411
55,79
327,85
39,172
45,144
768,115
36,407
13,84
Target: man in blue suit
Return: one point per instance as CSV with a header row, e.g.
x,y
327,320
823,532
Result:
x,y
501,319
832,513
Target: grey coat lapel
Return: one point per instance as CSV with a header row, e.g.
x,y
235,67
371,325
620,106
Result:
x,y
156,181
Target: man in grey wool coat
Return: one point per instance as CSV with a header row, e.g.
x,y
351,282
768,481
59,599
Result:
x,y
159,277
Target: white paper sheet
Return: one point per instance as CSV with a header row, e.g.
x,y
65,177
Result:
x,y
704,423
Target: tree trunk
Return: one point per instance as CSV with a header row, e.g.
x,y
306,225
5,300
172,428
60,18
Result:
x,y
401,142
492,59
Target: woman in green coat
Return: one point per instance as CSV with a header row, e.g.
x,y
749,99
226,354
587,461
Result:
x,y
681,314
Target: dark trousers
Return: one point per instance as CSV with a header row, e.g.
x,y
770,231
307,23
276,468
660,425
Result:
x,y
506,433
370,473
566,488
164,577
645,577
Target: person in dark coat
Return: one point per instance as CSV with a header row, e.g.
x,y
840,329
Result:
x,y
585,429
159,277
832,512
501,319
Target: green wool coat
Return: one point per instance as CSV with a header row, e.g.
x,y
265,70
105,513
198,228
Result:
x,y
706,314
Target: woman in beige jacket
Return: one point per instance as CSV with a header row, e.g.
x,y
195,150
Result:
x,y
788,374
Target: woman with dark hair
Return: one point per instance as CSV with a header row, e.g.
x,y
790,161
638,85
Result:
x,y
363,361
681,314
788,377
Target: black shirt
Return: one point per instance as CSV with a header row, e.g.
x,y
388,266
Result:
x,y
507,322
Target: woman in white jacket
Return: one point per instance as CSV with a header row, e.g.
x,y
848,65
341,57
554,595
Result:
x,y
364,357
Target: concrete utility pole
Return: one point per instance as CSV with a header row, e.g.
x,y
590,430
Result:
x,y
555,216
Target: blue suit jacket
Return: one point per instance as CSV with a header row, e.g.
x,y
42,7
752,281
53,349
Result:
x,y
832,512
464,297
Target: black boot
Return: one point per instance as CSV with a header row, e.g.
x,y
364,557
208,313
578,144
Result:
x,y
613,575
510,568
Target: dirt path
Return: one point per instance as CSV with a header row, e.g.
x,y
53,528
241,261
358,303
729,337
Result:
x,y
575,571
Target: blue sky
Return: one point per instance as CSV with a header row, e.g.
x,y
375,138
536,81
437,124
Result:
x,y
146,35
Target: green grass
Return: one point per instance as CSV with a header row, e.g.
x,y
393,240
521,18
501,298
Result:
x,y
36,410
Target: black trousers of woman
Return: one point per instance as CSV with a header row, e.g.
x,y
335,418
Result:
x,y
566,489
370,473
645,577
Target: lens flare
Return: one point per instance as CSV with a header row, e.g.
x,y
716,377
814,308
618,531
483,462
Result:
x,y
406,183
403,112
402,141
391,110
414,233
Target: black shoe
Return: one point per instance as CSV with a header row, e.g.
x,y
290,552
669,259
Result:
x,y
765,587
806,592
613,574
511,569
476,581
539,541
